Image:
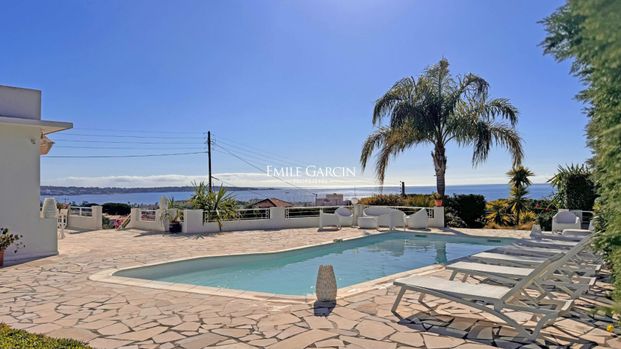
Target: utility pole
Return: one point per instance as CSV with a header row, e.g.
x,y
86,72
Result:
x,y
209,157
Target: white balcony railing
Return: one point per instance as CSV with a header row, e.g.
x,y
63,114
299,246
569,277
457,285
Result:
x,y
81,211
310,211
244,215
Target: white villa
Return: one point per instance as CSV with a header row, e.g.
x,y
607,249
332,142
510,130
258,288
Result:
x,y
21,133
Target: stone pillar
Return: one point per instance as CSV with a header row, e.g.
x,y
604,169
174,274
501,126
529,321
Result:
x,y
277,217
192,221
97,217
134,216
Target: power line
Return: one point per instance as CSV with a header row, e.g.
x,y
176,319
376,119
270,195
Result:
x,y
256,151
260,169
129,136
121,156
125,148
137,131
259,155
119,142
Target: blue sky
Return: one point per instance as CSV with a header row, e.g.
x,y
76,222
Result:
x,y
278,83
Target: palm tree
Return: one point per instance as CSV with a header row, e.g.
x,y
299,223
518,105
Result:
x,y
518,182
434,109
519,176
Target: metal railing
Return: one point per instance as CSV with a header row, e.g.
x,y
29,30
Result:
x,y
148,215
253,214
81,211
243,215
311,211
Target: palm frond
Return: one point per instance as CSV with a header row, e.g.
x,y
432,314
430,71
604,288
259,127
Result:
x,y
490,133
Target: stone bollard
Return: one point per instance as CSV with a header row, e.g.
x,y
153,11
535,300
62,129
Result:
x,y
49,208
325,288
536,233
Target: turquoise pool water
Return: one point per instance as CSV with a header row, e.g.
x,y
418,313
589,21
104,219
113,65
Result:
x,y
294,272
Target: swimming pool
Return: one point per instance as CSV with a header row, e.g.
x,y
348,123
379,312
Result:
x,y
294,272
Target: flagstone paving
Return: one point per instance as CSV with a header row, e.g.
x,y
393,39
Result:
x,y
54,296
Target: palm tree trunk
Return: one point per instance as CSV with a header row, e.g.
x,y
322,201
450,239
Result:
x,y
439,163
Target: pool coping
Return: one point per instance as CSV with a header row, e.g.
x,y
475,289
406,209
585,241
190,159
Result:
x,y
348,291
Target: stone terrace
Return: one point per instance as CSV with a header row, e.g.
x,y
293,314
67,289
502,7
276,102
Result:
x,y
55,297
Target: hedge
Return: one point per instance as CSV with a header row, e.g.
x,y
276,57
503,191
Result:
x,y
19,339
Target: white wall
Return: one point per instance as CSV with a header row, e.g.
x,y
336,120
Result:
x,y
20,102
193,221
93,222
19,193
136,223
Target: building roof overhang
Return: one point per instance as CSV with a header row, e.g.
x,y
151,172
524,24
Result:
x,y
46,126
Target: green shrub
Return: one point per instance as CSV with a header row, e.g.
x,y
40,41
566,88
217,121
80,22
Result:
x,y
116,209
415,200
575,188
20,339
469,207
382,200
589,34
418,200
451,219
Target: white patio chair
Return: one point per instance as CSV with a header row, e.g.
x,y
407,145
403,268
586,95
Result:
x,y
418,220
493,299
565,220
397,219
382,214
345,216
328,219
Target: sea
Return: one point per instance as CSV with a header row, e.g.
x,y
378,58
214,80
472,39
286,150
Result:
x,y
296,195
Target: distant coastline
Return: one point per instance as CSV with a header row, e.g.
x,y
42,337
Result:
x,y
294,195
48,190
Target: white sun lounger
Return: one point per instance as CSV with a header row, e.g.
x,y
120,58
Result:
x,y
529,250
568,282
546,243
493,299
507,259
565,277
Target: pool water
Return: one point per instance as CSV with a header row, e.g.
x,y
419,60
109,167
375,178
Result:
x,y
294,272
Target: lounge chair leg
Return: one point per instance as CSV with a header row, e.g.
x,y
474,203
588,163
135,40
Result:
x,y
397,301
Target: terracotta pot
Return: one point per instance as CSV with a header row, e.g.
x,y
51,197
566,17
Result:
x,y
438,203
1,258
45,145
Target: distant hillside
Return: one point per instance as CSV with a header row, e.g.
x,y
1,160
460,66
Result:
x,y
56,190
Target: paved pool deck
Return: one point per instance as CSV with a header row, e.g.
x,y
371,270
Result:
x,y
54,296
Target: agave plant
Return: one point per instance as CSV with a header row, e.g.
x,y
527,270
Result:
x,y
435,109
497,212
218,206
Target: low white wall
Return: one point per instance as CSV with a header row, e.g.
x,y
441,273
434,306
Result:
x,y
136,222
93,222
193,221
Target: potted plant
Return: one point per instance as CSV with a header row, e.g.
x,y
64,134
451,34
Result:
x,y
172,215
7,239
437,198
